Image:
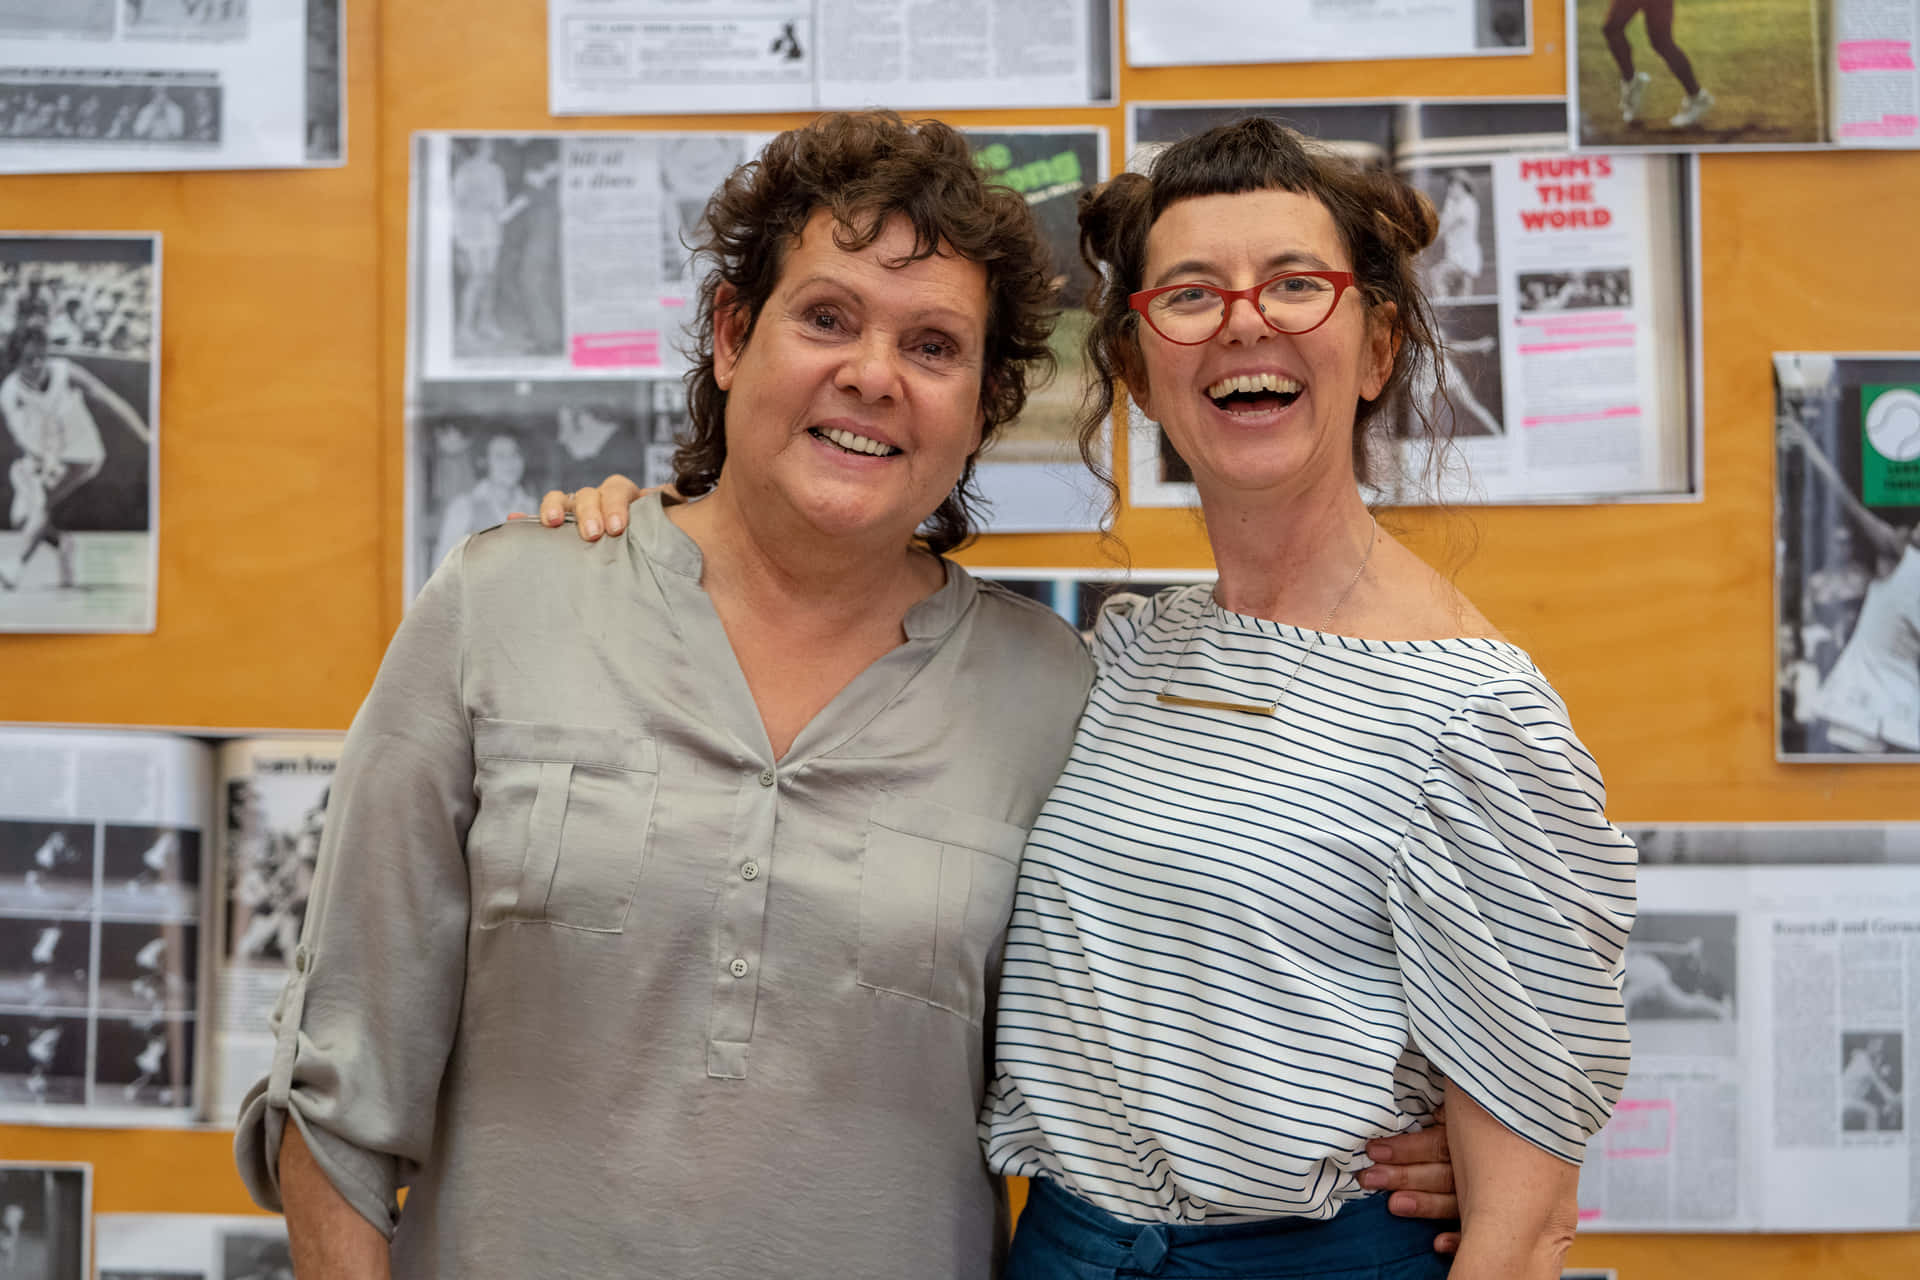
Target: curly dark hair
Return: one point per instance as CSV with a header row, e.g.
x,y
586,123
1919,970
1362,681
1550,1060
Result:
x,y
867,168
1383,221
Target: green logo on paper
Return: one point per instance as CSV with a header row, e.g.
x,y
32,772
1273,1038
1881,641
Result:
x,y
1890,445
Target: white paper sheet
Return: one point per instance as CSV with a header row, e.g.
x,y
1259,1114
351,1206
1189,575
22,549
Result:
x,y
95,85
692,56
192,1246
1191,32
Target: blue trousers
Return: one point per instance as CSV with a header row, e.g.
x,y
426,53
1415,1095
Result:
x,y
1062,1237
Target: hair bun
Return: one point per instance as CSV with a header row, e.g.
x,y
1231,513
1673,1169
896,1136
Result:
x,y
1405,217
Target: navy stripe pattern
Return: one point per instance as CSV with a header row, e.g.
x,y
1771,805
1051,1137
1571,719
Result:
x,y
1243,946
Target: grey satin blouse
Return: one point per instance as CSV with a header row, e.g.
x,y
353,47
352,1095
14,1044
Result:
x,y
618,994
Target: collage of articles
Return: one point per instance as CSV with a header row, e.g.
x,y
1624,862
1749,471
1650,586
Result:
x,y
153,885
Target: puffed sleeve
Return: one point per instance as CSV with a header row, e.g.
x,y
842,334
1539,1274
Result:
x,y
1511,898
365,1023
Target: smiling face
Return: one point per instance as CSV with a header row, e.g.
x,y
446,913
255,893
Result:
x,y
855,402
1254,410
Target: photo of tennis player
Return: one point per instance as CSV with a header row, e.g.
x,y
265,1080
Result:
x,y
506,246
78,453
1675,74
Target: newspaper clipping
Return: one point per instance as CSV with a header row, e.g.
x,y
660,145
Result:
x,y
273,796
1193,32
191,1246
79,375
1782,75
680,56
96,85
43,1220
1847,556
1557,280
1772,1009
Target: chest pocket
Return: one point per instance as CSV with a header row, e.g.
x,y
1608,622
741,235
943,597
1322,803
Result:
x,y
936,887
561,830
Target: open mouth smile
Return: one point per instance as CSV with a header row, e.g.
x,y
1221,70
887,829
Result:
x,y
1254,392
849,442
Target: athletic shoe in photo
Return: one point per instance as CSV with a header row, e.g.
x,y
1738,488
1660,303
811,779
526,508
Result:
x,y
1692,107
1631,91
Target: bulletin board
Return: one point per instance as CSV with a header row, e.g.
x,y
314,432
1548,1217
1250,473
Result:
x,y
282,468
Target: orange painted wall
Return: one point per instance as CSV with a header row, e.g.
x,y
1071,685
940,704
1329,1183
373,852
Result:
x,y
281,481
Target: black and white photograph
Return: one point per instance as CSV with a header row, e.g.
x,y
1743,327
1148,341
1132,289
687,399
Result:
x,y
273,842
1872,1082
1682,967
43,1221
1776,843
173,109
78,19
255,1254
1466,400
147,1273
186,19
326,94
1078,595
150,872
692,167
43,1061
144,1061
507,275
44,963
46,867
483,449
78,458
146,969
1609,288
1847,557
1461,263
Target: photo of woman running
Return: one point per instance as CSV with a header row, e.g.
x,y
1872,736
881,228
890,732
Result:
x,y
1633,84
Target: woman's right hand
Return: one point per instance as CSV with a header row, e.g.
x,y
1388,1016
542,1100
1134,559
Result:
x,y
593,509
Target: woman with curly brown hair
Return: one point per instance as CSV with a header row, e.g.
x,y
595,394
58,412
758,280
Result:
x,y
663,881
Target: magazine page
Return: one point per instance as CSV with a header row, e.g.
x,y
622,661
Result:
x,y
680,56
1558,284
79,400
1773,1012
1876,87
192,1246
1031,474
272,794
103,841
1196,32
96,85
43,1220
552,278
1556,279
1847,556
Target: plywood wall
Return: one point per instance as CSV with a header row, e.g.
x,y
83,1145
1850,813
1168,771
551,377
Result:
x,y
281,482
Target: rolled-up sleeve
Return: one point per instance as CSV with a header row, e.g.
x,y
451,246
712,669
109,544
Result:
x,y
363,1028
1511,898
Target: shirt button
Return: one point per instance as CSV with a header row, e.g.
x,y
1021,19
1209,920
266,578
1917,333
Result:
x,y
750,871
738,967
766,777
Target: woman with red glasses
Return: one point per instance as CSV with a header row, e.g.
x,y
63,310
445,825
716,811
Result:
x,y
1326,853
